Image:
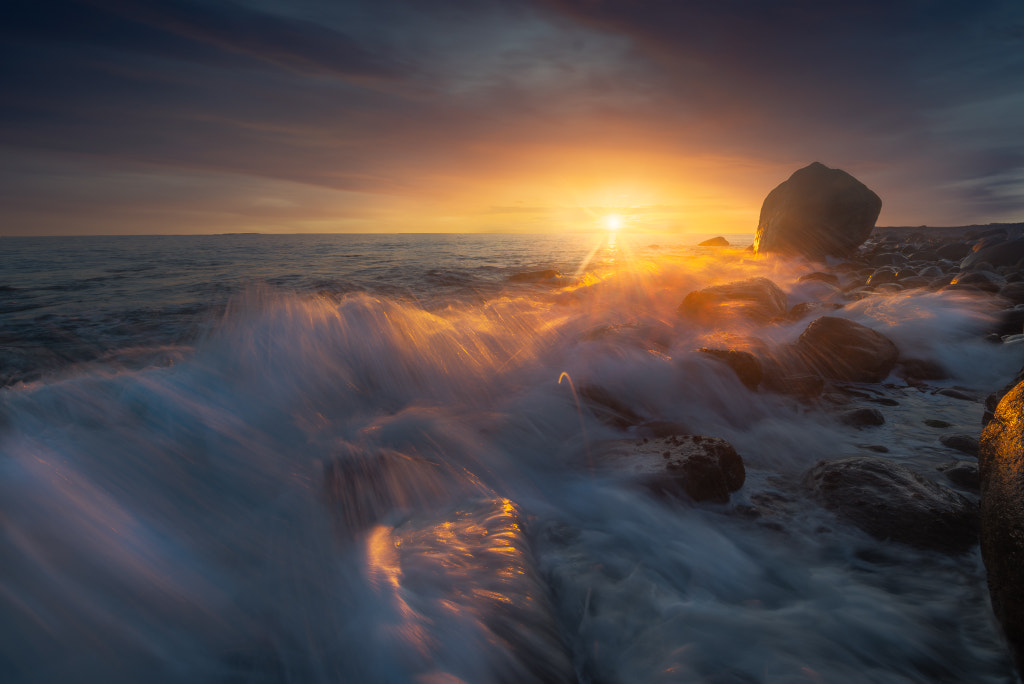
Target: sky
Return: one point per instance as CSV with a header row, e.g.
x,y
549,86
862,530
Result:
x,y
211,116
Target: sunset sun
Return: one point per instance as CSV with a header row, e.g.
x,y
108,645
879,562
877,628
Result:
x,y
612,221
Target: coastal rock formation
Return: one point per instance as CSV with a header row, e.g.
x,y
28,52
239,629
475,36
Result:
x,y
746,366
1000,253
714,242
816,213
473,571
702,468
758,299
1001,469
842,349
891,502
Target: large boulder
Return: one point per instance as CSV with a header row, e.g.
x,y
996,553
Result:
x,y
842,349
758,299
891,502
1001,469
701,468
817,212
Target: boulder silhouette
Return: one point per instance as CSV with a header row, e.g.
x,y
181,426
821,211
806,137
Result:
x,y
818,212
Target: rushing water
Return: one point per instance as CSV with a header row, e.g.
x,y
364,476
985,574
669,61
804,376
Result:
x,y
351,459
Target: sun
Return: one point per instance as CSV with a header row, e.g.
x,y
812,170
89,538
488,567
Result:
x,y
612,221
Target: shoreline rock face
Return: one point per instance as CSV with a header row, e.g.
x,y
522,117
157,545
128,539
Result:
x,y
842,349
818,212
1001,470
758,299
891,502
702,468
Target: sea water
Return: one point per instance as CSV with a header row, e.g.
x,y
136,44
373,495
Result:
x,y
345,458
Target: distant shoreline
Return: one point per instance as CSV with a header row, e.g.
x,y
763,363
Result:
x,y
946,231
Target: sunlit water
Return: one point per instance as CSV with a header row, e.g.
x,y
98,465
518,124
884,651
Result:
x,y
350,459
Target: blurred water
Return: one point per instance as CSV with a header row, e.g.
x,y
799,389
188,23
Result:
x,y
350,458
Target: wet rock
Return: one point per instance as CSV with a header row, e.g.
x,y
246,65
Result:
x,y
842,349
473,571
804,387
817,212
964,474
746,366
955,393
758,299
1001,467
823,277
608,408
1013,291
967,444
714,242
534,276
936,423
921,369
702,468
862,417
954,251
888,259
891,502
1002,253
1011,321
976,279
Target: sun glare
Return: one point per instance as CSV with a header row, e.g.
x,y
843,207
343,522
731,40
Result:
x,y
612,221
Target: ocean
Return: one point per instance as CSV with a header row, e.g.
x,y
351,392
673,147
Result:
x,y
376,458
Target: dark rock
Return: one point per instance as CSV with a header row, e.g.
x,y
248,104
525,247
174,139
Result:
x,y
935,423
702,468
1001,466
1005,253
804,386
1011,322
882,276
534,276
842,349
967,444
884,401
977,279
608,408
877,448
757,298
823,277
888,259
964,474
921,369
817,212
1014,291
954,251
714,242
862,417
481,578
890,501
954,393
746,366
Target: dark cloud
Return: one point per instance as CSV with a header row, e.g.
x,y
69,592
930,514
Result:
x,y
405,98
